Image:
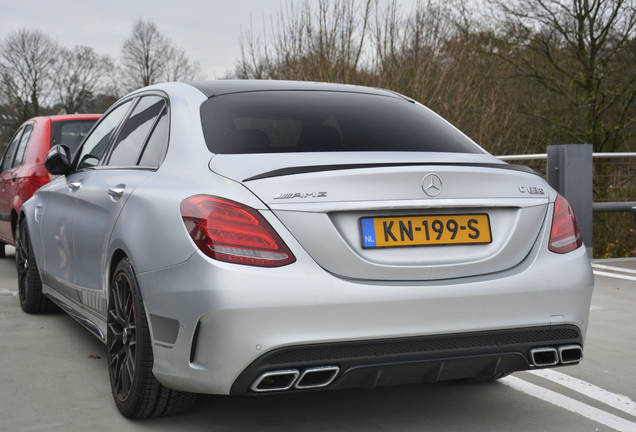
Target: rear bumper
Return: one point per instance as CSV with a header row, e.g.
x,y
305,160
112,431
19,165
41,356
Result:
x,y
243,313
374,363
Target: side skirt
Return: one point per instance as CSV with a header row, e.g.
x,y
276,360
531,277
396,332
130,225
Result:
x,y
81,317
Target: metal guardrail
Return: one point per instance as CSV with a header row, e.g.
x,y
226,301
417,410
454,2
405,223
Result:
x,y
611,206
614,206
569,169
544,156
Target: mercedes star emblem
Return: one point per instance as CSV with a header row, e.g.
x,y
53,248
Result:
x,y
432,185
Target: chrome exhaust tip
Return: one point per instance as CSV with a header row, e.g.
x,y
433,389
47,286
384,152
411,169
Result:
x,y
569,354
317,377
275,381
544,356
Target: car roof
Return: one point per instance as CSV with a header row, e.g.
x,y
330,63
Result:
x,y
219,87
62,117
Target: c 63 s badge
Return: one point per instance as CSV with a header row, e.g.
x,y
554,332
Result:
x,y
532,190
291,195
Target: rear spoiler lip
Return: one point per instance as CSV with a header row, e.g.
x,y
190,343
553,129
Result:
x,y
318,168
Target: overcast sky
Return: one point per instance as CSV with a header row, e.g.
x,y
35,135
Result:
x,y
209,30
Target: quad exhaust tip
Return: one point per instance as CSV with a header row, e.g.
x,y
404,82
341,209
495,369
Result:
x,y
281,380
275,381
569,354
317,377
545,356
550,356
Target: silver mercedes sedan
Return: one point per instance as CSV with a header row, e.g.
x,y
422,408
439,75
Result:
x,y
255,237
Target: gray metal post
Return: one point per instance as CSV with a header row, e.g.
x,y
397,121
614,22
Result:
x,y
570,173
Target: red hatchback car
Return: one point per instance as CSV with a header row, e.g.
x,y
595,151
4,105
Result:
x,y
22,169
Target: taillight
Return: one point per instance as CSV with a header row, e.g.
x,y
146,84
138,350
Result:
x,y
229,231
564,235
38,181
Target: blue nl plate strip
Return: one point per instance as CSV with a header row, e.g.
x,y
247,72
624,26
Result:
x,y
368,232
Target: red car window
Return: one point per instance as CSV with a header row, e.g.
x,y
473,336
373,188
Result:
x,y
10,153
24,142
70,133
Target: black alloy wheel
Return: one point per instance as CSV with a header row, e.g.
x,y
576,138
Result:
x,y
122,341
22,265
136,391
29,284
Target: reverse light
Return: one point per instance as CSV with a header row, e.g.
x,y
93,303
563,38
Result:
x,y
232,232
564,235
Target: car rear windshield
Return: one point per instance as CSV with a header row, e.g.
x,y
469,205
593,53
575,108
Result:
x,y
322,121
71,133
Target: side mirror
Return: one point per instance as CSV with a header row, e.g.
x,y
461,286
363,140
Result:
x,y
58,160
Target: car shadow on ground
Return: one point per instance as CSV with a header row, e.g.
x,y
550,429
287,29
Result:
x,y
417,407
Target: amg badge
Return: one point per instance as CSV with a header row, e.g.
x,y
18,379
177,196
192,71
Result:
x,y
291,195
533,190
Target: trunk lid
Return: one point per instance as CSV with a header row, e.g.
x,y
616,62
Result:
x,y
321,199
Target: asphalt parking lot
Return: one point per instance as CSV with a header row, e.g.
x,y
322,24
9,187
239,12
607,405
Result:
x,y
53,378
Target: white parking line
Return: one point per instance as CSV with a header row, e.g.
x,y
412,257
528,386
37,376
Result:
x,y
618,401
614,275
610,420
8,292
613,268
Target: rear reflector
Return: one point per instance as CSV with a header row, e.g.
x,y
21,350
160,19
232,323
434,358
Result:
x,y
232,232
564,235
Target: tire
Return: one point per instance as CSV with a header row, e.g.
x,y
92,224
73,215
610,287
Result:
x,y
32,300
136,391
2,251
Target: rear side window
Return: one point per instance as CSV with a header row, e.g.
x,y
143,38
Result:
x,y
157,144
10,153
320,121
97,142
70,133
22,147
135,130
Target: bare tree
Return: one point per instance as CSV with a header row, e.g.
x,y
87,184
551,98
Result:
x,y
27,59
178,67
144,55
149,57
321,40
255,61
79,74
579,51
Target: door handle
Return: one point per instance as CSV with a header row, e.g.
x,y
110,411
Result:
x,y
74,186
37,214
116,192
13,177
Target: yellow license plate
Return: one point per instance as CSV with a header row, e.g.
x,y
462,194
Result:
x,y
425,230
